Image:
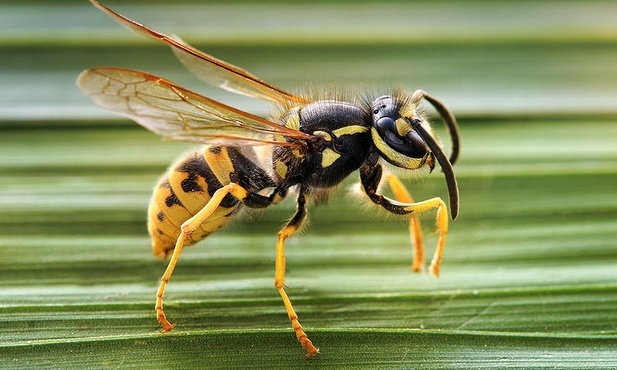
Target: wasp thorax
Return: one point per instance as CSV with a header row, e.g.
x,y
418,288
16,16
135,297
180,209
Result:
x,y
341,143
394,136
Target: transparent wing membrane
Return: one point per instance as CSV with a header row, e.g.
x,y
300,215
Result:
x,y
176,113
211,70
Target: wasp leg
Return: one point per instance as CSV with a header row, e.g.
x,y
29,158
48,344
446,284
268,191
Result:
x,y
187,228
370,176
279,274
415,230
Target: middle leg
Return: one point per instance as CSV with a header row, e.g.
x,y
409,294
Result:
x,y
279,275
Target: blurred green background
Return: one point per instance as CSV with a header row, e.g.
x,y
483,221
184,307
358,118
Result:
x,y
530,270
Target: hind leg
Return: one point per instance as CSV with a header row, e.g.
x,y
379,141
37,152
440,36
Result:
x,y
187,228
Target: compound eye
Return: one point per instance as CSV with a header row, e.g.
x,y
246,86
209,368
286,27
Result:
x,y
384,125
410,145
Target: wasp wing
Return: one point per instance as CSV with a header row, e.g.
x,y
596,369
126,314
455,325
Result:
x,y
211,70
176,113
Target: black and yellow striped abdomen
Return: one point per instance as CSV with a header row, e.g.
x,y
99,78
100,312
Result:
x,y
188,186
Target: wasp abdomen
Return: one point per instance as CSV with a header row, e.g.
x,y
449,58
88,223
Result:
x,y
189,185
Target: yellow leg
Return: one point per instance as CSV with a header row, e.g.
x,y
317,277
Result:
x,y
279,276
401,193
187,228
370,177
160,315
441,228
415,230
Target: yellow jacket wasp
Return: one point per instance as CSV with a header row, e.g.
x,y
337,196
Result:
x,y
314,145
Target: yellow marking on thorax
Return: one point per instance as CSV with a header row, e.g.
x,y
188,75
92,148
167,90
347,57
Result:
x,y
329,156
296,153
350,130
293,122
281,169
326,136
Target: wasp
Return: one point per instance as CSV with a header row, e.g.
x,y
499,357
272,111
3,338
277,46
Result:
x,y
308,148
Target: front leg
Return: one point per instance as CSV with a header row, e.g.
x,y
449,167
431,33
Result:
x,y
415,229
370,176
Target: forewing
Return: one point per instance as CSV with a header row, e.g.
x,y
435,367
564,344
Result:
x,y
176,113
211,70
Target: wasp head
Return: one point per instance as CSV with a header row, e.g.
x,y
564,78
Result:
x,y
405,139
395,137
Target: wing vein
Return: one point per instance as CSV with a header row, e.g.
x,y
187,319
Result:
x,y
180,114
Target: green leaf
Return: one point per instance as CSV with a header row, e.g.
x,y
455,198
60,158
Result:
x,y
529,278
